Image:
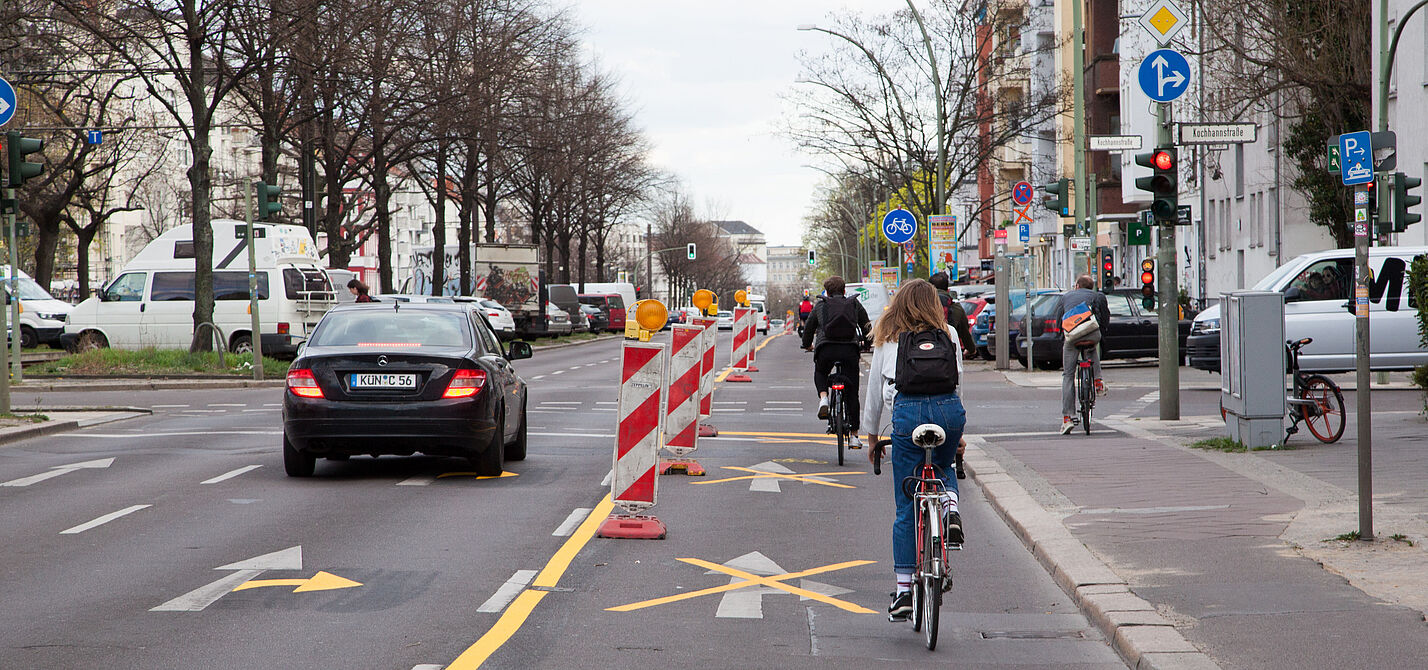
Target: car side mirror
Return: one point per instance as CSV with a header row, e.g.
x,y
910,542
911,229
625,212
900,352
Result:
x,y
1293,294
519,351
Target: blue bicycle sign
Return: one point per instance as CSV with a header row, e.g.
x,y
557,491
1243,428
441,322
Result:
x,y
899,226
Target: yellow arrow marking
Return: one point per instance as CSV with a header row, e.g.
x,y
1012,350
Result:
x,y
322,581
775,581
760,474
472,474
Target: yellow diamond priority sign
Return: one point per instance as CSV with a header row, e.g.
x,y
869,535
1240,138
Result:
x,y
1163,20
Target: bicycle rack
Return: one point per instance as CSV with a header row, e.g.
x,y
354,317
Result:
x,y
218,336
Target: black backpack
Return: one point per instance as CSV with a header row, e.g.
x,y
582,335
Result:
x,y
926,363
840,319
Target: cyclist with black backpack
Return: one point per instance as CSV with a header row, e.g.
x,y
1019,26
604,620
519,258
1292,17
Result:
x,y
916,365
834,333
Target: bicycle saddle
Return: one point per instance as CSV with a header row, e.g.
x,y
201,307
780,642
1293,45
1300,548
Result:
x,y
928,435
1086,344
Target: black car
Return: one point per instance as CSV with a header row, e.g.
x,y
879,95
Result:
x,y
398,378
1134,331
599,323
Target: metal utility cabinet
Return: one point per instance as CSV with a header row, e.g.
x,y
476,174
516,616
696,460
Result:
x,y
1253,363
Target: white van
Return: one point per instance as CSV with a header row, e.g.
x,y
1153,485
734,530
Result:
x,y
761,318
873,295
1318,289
41,315
150,303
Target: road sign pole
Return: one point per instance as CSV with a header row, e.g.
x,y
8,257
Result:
x,y
1362,391
5,351
256,324
1078,129
1169,295
16,373
1003,286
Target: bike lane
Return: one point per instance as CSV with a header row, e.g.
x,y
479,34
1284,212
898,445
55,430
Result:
x,y
781,558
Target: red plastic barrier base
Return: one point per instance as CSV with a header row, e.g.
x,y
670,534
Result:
x,y
752,368
706,430
739,378
632,527
688,466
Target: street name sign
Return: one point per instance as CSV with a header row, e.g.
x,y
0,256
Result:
x,y
1218,133
1080,244
1356,156
1164,75
1115,142
899,226
1163,21
7,101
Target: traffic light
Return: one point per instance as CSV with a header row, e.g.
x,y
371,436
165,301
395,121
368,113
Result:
x,y
689,251
18,146
1055,198
1108,267
1403,202
1147,283
267,201
812,257
1161,183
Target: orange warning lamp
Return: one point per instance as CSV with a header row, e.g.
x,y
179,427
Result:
x,y
651,314
741,298
702,299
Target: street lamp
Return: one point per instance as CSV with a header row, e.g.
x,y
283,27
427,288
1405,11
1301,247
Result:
x,y
940,196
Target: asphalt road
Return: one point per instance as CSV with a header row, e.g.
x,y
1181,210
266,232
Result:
x,y
191,548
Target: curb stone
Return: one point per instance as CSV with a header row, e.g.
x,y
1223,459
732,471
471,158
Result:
x,y
52,427
1144,639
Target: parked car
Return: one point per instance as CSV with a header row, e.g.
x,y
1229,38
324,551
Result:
x,y
599,323
42,317
725,320
402,378
1317,289
497,316
1134,331
776,324
557,321
612,304
986,320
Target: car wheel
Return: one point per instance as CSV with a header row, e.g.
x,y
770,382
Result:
x,y
242,344
516,451
91,340
296,463
29,339
487,463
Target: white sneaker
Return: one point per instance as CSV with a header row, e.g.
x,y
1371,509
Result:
x,y
1067,425
854,442
823,408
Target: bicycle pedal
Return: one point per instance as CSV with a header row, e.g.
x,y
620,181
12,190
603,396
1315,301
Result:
x,y
953,546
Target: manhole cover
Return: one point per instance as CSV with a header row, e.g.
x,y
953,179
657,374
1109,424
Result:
x,y
1032,635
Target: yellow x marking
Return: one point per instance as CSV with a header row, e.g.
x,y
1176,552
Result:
x,y
806,477
775,581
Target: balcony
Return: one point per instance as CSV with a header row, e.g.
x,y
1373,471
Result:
x,y
1105,75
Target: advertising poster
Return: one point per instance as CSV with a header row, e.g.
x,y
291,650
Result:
x,y
892,277
942,238
875,270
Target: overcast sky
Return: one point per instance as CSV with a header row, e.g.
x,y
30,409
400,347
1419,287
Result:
x,y
704,79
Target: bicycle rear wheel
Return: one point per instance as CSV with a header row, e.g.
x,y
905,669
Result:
x,y
1084,393
835,401
931,604
1326,419
930,571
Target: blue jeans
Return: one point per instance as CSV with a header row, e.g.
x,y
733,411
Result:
x,y
909,412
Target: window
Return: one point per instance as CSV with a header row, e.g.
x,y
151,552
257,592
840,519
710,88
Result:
x,y
301,284
129,287
383,328
226,286
1239,170
488,338
1324,280
173,286
1120,304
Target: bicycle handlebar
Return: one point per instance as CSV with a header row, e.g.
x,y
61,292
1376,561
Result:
x,y
878,455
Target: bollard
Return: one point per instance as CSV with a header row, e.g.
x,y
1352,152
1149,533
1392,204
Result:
x,y
708,341
633,484
681,415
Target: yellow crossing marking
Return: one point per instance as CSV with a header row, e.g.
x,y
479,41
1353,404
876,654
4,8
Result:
x,y
805,477
767,434
776,581
472,474
322,581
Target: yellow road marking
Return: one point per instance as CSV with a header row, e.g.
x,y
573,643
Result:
x,y
727,371
322,581
760,474
790,440
520,609
765,434
752,580
472,474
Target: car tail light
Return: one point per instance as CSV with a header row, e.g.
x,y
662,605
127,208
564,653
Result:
x,y
465,384
1053,326
282,328
303,384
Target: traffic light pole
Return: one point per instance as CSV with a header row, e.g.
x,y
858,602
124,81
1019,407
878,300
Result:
x,y
1078,132
253,286
5,352
1169,300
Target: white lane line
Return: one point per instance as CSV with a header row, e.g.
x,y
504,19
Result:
x,y
537,377
606,402
717,409
205,411
782,409
419,480
428,666
561,402
609,474
508,591
731,402
605,409
103,520
231,474
272,404
784,402
557,372
265,409
572,522
166,406
227,404
177,433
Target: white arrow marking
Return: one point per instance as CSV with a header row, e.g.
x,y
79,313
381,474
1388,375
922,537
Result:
x,y
768,484
821,589
1160,64
59,469
199,598
747,603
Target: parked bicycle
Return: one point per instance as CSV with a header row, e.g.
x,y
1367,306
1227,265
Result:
x,y
1314,400
932,576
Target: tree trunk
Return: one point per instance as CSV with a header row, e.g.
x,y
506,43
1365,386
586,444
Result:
x,y
600,258
83,238
200,184
438,227
46,241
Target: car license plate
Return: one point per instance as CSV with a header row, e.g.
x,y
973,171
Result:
x,y
384,380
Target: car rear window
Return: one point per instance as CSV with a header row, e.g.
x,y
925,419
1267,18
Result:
x,y
393,328
616,302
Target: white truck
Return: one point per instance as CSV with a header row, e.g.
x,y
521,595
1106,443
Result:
x,y
150,303
506,273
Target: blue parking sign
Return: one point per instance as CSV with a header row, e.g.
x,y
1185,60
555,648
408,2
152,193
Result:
x,y
1023,231
1356,158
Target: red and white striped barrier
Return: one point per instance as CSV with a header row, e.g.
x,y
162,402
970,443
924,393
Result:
x,y
708,341
752,340
681,415
633,482
740,345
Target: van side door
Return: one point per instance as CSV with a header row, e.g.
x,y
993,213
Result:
x,y
168,314
1315,305
120,312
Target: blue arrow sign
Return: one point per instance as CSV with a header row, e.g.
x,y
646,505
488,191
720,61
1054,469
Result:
x,y
7,102
1164,75
899,226
1356,158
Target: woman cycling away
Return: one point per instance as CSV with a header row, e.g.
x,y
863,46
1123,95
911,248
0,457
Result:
x,y
915,369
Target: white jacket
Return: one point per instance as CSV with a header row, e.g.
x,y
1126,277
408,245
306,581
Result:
x,y
880,392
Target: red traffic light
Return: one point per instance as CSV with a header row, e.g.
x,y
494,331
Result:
x,y
1106,266
1147,277
1163,160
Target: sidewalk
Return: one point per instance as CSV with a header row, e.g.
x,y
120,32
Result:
x,y
1230,552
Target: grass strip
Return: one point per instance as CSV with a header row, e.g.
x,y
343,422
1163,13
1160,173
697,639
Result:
x,y
150,361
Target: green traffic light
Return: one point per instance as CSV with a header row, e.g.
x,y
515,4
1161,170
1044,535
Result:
x,y
17,147
268,203
1055,199
1403,202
